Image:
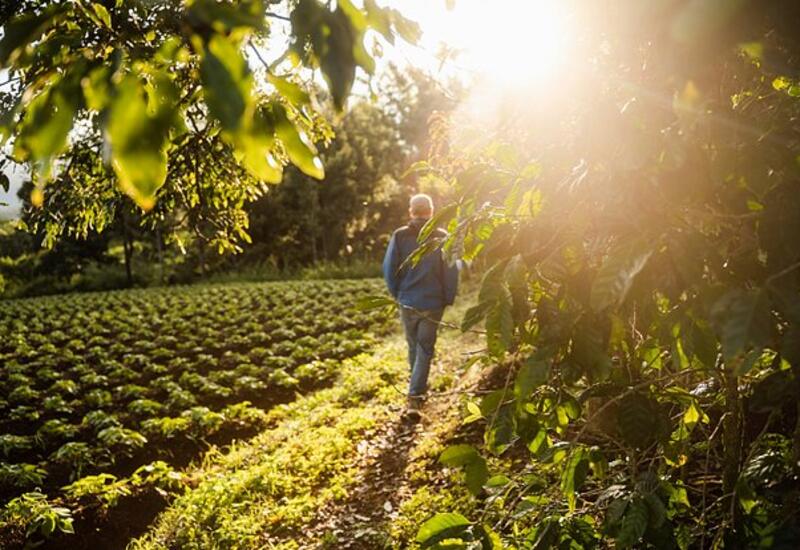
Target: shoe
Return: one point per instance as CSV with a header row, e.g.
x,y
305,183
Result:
x,y
414,408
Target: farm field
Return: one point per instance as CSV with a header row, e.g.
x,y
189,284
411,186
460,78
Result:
x,y
106,396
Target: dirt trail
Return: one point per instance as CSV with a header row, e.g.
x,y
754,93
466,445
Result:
x,y
360,521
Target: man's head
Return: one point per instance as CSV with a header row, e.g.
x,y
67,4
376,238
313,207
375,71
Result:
x,y
420,206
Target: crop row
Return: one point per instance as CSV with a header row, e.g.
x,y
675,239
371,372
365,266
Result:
x,y
101,383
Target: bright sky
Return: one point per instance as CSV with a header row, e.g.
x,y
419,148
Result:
x,y
504,40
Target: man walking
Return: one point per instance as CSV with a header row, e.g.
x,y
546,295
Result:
x,y
422,290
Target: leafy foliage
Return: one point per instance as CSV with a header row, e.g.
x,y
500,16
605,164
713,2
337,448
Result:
x,y
640,287
161,102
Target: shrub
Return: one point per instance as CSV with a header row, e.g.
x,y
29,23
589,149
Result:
x,y
34,513
105,489
22,476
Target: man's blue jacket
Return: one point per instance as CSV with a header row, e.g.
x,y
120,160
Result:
x,y
431,284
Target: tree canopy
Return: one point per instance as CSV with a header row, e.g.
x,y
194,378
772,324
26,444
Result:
x,y
157,101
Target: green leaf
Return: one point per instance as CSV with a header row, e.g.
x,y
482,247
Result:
x,y
574,474
475,413
293,93
477,474
657,513
474,315
440,526
746,496
500,433
692,416
436,220
409,30
227,83
46,125
499,325
531,375
255,148
616,275
139,138
492,282
48,525
301,151
634,524
742,319
24,29
225,17
459,455
102,13
333,40
374,302
97,88
421,166
637,420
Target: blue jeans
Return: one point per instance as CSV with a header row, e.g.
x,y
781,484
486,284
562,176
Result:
x,y
420,328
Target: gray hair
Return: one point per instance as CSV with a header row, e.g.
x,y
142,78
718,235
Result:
x,y
421,205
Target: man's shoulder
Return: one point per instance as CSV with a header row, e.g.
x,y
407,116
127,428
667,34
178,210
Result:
x,y
402,231
413,232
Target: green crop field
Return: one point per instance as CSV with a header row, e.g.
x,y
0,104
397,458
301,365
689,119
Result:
x,y
104,394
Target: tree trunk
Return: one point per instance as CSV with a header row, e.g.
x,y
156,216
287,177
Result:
x,y
313,227
732,442
127,247
160,251
202,256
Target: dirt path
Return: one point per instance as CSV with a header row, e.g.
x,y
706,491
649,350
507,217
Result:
x,y
387,456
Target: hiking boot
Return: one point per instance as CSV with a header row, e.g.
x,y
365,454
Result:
x,y
413,410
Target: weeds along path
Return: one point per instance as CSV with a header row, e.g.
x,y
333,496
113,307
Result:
x,y
339,469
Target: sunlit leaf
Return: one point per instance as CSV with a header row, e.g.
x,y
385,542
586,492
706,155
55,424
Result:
x,y
301,151
574,474
227,82
292,92
441,526
138,138
459,455
254,144
374,302
102,13
46,125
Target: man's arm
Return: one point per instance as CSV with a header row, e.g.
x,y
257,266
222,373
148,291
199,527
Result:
x,y
391,263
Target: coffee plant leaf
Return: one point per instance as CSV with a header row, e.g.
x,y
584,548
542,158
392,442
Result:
x,y
633,524
636,420
441,526
615,277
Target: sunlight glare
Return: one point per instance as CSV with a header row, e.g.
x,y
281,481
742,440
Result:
x,y
515,42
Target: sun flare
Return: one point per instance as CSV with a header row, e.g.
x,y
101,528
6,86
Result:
x,y
516,42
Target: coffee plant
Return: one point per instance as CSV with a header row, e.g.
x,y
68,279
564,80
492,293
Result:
x,y
641,295
99,385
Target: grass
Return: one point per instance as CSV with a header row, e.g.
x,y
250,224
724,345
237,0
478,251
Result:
x,y
296,484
